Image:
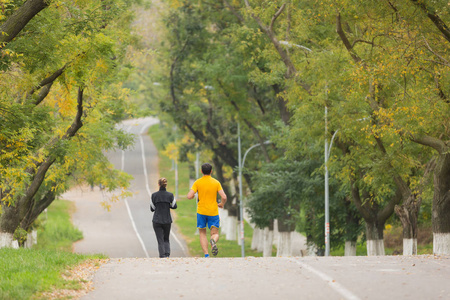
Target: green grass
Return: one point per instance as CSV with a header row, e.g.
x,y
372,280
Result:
x,y
58,232
186,218
361,250
27,273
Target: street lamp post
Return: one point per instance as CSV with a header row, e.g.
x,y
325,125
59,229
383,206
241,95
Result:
x,y
327,200
241,202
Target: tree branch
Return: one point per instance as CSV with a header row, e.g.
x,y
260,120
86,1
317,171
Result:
x,y
434,17
47,80
233,10
446,63
276,15
387,211
291,70
361,41
19,19
358,202
37,179
256,18
437,144
344,39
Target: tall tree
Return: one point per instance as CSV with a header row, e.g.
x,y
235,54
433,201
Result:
x,y
65,88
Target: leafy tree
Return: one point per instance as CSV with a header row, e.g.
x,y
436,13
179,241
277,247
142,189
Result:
x,y
286,187
61,91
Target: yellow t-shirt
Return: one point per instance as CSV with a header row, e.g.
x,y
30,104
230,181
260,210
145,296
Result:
x,y
207,188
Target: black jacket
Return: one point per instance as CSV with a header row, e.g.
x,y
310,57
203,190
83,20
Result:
x,y
161,203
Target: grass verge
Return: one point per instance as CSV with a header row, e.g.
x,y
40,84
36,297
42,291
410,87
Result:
x,y
57,232
186,218
29,273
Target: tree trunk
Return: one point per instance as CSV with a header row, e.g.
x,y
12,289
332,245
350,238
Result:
x,y
223,214
374,235
410,246
9,219
284,244
7,241
441,205
352,226
375,218
260,245
268,240
19,19
408,214
255,238
231,231
284,236
350,248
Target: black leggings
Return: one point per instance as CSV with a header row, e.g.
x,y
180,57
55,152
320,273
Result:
x,y
162,232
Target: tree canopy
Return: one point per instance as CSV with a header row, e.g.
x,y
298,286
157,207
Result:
x,y
61,94
274,66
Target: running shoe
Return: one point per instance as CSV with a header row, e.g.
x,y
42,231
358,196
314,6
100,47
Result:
x,y
214,248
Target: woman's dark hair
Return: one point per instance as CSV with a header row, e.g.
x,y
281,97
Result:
x,y
206,169
162,182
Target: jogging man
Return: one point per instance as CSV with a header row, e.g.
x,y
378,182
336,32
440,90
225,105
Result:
x,y
208,208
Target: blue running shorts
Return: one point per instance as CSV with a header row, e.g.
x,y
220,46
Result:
x,y
212,221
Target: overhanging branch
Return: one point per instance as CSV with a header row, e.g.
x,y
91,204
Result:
x,y
434,17
19,19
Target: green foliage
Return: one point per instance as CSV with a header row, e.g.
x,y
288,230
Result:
x,y
70,51
383,78
161,139
289,187
20,235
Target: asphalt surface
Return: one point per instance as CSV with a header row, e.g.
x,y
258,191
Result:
x,y
420,277
134,271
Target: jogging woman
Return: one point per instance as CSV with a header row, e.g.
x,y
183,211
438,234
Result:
x,y
161,203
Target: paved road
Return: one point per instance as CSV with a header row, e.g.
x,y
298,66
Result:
x,y
126,230
422,277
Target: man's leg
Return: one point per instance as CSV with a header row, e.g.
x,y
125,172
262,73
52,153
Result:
x,y
215,234
214,222
203,240
214,238
201,225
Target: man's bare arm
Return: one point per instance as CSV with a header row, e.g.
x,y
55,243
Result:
x,y
191,194
224,198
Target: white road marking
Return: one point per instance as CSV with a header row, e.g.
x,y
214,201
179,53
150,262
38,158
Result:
x,y
334,285
147,187
135,229
129,211
146,176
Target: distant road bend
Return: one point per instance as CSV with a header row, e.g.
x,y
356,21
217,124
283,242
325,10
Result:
x,y
126,230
